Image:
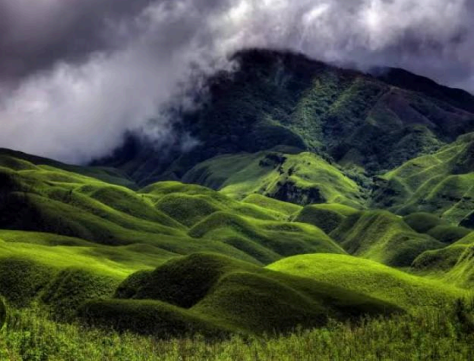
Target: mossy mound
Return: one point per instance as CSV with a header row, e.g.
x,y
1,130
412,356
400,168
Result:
x,y
449,234
371,278
72,287
186,209
282,238
453,264
148,317
22,279
382,237
325,219
302,179
247,297
423,222
183,282
261,304
274,205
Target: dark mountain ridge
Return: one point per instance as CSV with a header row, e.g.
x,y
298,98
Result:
x,y
289,103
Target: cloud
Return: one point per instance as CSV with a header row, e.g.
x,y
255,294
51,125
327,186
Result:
x,y
75,75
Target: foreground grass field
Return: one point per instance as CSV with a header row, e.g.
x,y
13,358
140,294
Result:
x,y
443,335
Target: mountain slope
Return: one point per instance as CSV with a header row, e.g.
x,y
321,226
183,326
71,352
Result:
x,y
302,178
439,183
280,99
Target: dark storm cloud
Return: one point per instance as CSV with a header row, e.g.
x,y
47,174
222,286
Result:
x,y
74,75
35,35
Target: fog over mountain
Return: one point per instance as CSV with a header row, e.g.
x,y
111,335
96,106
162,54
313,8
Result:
x,y
75,75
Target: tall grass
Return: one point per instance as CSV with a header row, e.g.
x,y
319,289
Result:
x,y
448,335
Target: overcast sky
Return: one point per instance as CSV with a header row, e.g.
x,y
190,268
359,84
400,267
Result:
x,y
76,74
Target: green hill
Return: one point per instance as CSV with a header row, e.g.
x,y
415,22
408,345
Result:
x,y
453,264
229,293
162,219
315,197
372,279
440,184
383,237
303,178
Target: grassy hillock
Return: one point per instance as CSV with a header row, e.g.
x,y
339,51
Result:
x,y
230,294
372,279
383,237
161,219
22,161
453,264
285,210
440,184
325,216
283,238
303,178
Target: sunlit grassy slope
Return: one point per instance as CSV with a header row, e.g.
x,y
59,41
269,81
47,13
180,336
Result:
x,y
75,243
165,219
440,183
383,237
303,178
229,294
371,278
453,264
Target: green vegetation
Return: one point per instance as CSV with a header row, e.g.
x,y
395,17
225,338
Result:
x,y
372,279
440,183
431,335
382,237
303,178
228,294
287,102
453,264
3,313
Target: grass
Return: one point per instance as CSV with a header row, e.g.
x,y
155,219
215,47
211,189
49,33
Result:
x,y
430,335
452,264
327,220
240,296
440,183
382,237
373,279
302,179
282,238
89,213
273,205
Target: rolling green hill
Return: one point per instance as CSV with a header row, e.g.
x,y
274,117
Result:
x,y
165,219
302,178
383,237
439,183
229,294
371,278
453,264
